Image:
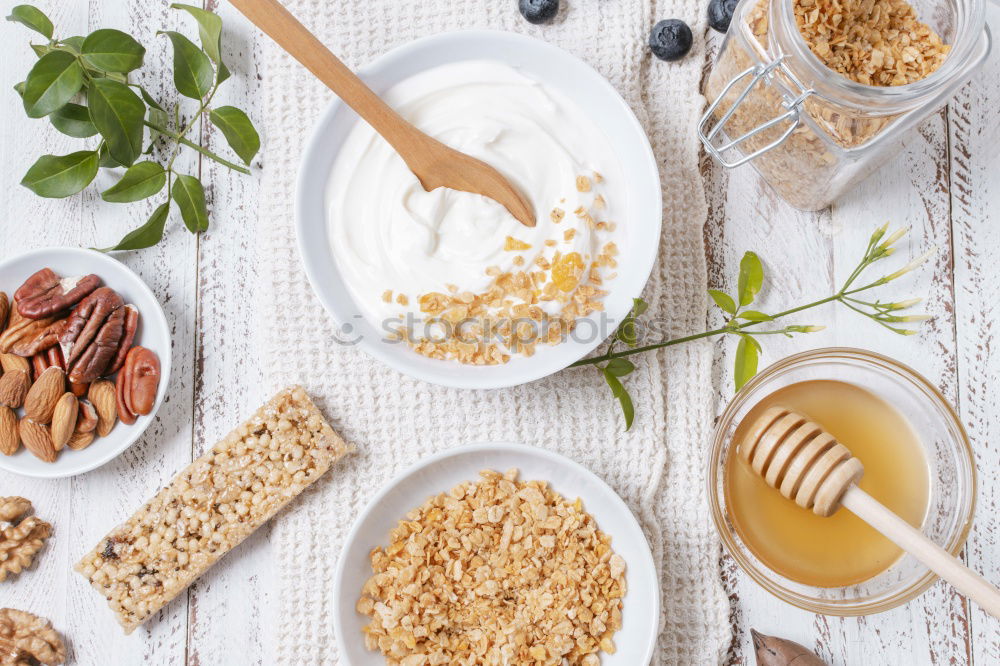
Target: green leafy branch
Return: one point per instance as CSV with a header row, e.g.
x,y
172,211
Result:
x,y
743,323
81,84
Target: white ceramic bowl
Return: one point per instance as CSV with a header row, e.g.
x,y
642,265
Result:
x,y
641,606
552,66
152,333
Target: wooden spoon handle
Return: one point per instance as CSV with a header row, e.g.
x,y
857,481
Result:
x,y
937,559
278,23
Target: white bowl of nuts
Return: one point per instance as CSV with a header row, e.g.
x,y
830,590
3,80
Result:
x,y
496,553
85,359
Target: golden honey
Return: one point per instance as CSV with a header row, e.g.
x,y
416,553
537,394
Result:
x,y
842,549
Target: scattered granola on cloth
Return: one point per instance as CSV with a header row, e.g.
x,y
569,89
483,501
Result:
x,y
497,571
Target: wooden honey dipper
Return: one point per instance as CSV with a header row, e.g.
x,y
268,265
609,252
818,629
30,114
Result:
x,y
808,465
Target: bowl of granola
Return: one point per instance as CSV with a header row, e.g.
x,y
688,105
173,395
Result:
x,y
496,553
446,286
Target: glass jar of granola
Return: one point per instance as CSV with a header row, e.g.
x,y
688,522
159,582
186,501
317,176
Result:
x,y
817,94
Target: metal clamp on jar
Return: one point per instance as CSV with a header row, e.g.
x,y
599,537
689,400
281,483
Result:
x,y
811,132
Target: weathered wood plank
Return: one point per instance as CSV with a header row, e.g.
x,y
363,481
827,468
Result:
x,y
226,386
975,176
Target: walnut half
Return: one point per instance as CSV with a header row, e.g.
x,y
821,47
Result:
x,y
28,639
22,538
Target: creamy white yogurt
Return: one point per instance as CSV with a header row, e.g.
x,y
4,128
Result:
x,y
388,234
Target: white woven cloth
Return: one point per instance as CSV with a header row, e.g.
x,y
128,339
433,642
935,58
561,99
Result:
x,y
394,421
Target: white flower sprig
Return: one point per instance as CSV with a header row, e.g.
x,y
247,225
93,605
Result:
x,y
742,322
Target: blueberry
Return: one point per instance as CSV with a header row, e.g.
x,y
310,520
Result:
x,y
720,13
670,39
538,11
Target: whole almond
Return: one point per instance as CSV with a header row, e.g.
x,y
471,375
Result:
x,y
10,441
14,387
44,394
86,419
64,420
80,440
37,439
12,362
102,395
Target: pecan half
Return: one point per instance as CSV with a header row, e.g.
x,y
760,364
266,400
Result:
x,y
55,357
21,328
44,340
93,362
86,320
45,293
122,383
39,363
143,375
131,324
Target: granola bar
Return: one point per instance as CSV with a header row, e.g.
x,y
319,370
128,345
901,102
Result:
x,y
211,506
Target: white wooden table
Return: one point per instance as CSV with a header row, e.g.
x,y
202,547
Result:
x,y
946,185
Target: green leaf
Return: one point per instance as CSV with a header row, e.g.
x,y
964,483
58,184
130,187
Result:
x,y
114,76
209,30
193,73
19,88
112,50
747,355
142,180
626,330
150,100
105,159
620,367
148,234
723,300
190,198
751,278
52,82
68,46
33,18
73,44
73,120
159,118
624,399
117,112
238,130
222,74
55,176
754,315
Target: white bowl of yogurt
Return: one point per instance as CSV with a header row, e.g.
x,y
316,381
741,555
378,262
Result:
x,y
380,252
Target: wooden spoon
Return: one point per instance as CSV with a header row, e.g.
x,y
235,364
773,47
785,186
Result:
x,y
808,465
433,163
